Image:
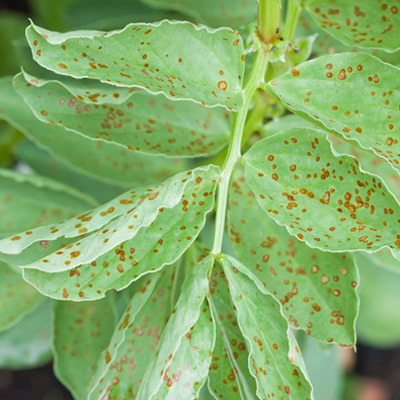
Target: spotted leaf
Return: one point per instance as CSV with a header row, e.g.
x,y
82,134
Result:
x,y
123,364
322,198
354,95
28,343
370,24
81,331
99,159
229,376
275,360
139,56
161,243
174,346
17,298
143,123
316,289
43,200
212,12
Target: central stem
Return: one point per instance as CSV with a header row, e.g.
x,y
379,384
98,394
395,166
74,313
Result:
x,y
233,156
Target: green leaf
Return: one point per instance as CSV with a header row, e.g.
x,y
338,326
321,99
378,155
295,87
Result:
x,y
212,12
229,373
102,160
45,164
81,331
28,343
148,61
123,364
42,200
345,93
367,25
304,280
275,360
144,122
160,239
378,323
285,122
17,298
322,198
174,348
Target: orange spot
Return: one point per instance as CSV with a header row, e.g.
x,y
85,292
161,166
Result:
x,y
222,85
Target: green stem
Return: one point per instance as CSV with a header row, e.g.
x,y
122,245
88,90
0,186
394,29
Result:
x,y
233,156
269,20
292,16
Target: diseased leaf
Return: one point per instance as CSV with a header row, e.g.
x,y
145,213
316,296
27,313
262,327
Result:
x,y
102,160
173,345
17,298
144,122
28,343
322,198
285,122
159,240
138,56
315,288
370,24
378,323
345,93
229,376
123,364
81,331
212,12
43,201
275,363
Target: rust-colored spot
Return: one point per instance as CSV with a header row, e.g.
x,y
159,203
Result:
x,y
222,85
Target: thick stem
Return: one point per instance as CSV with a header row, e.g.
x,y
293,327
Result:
x,y
292,16
269,20
233,156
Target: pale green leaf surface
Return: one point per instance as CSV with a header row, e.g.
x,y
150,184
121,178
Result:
x,y
81,331
123,364
345,93
143,123
28,343
281,123
229,376
168,353
379,321
103,160
188,192
149,61
277,369
315,288
171,232
45,164
31,200
366,24
17,298
212,12
322,198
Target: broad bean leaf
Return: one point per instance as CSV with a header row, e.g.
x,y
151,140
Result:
x,y
314,287
45,164
322,198
17,298
43,200
28,343
102,160
370,24
158,242
378,323
212,12
137,56
144,123
176,368
276,364
123,364
229,376
81,331
345,93
281,123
